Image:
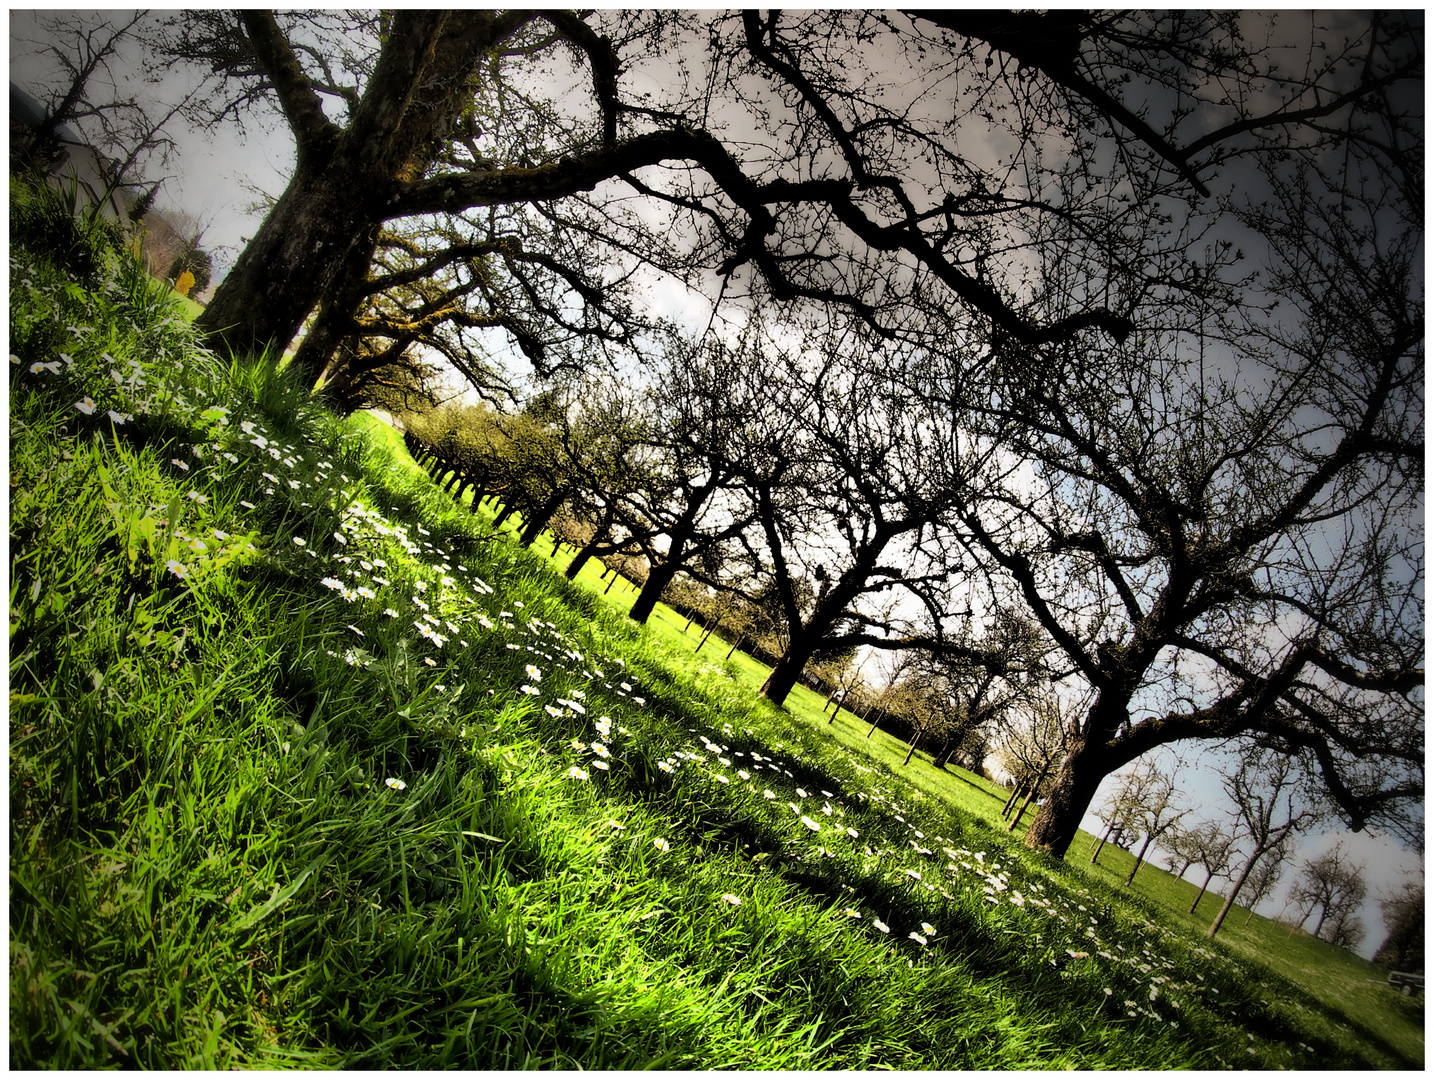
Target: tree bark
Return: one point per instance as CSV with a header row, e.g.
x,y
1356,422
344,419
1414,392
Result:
x,y
284,269
1209,877
1139,858
657,580
789,667
1070,796
345,180
333,325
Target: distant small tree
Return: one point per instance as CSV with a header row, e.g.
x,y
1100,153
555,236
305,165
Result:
x,y
1030,743
1211,844
1156,812
1269,810
891,670
840,677
994,679
1124,811
1116,814
1403,948
1261,882
1345,929
927,704
1331,885
1179,846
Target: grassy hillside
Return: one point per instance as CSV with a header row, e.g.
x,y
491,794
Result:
x,y
309,768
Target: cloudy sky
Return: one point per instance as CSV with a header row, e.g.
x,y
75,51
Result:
x,y
217,178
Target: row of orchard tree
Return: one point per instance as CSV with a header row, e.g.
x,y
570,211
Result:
x,y
803,502
1269,804
1096,339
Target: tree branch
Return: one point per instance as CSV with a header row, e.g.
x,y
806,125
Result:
x,y
315,135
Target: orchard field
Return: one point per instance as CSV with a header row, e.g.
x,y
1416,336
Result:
x,y
309,767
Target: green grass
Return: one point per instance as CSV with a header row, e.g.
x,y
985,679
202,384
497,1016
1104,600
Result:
x,y
209,868
190,308
1336,987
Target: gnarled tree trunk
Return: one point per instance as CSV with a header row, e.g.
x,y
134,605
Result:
x,y
658,579
1071,794
345,179
278,279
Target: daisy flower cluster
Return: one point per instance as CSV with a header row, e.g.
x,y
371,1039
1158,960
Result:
x,y
817,815
1068,925
1072,924
114,390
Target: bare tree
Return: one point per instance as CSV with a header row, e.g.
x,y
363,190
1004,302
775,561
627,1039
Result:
x,y
696,443
1117,814
1331,885
858,498
1153,808
1346,929
447,285
403,88
89,94
1140,803
891,670
1030,743
1237,492
1211,845
604,443
987,694
924,703
1263,877
1270,807
765,145
1179,845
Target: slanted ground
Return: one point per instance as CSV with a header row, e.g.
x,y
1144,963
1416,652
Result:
x,y
308,767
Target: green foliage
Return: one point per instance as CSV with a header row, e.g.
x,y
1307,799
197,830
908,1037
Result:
x,y
143,205
51,221
261,819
